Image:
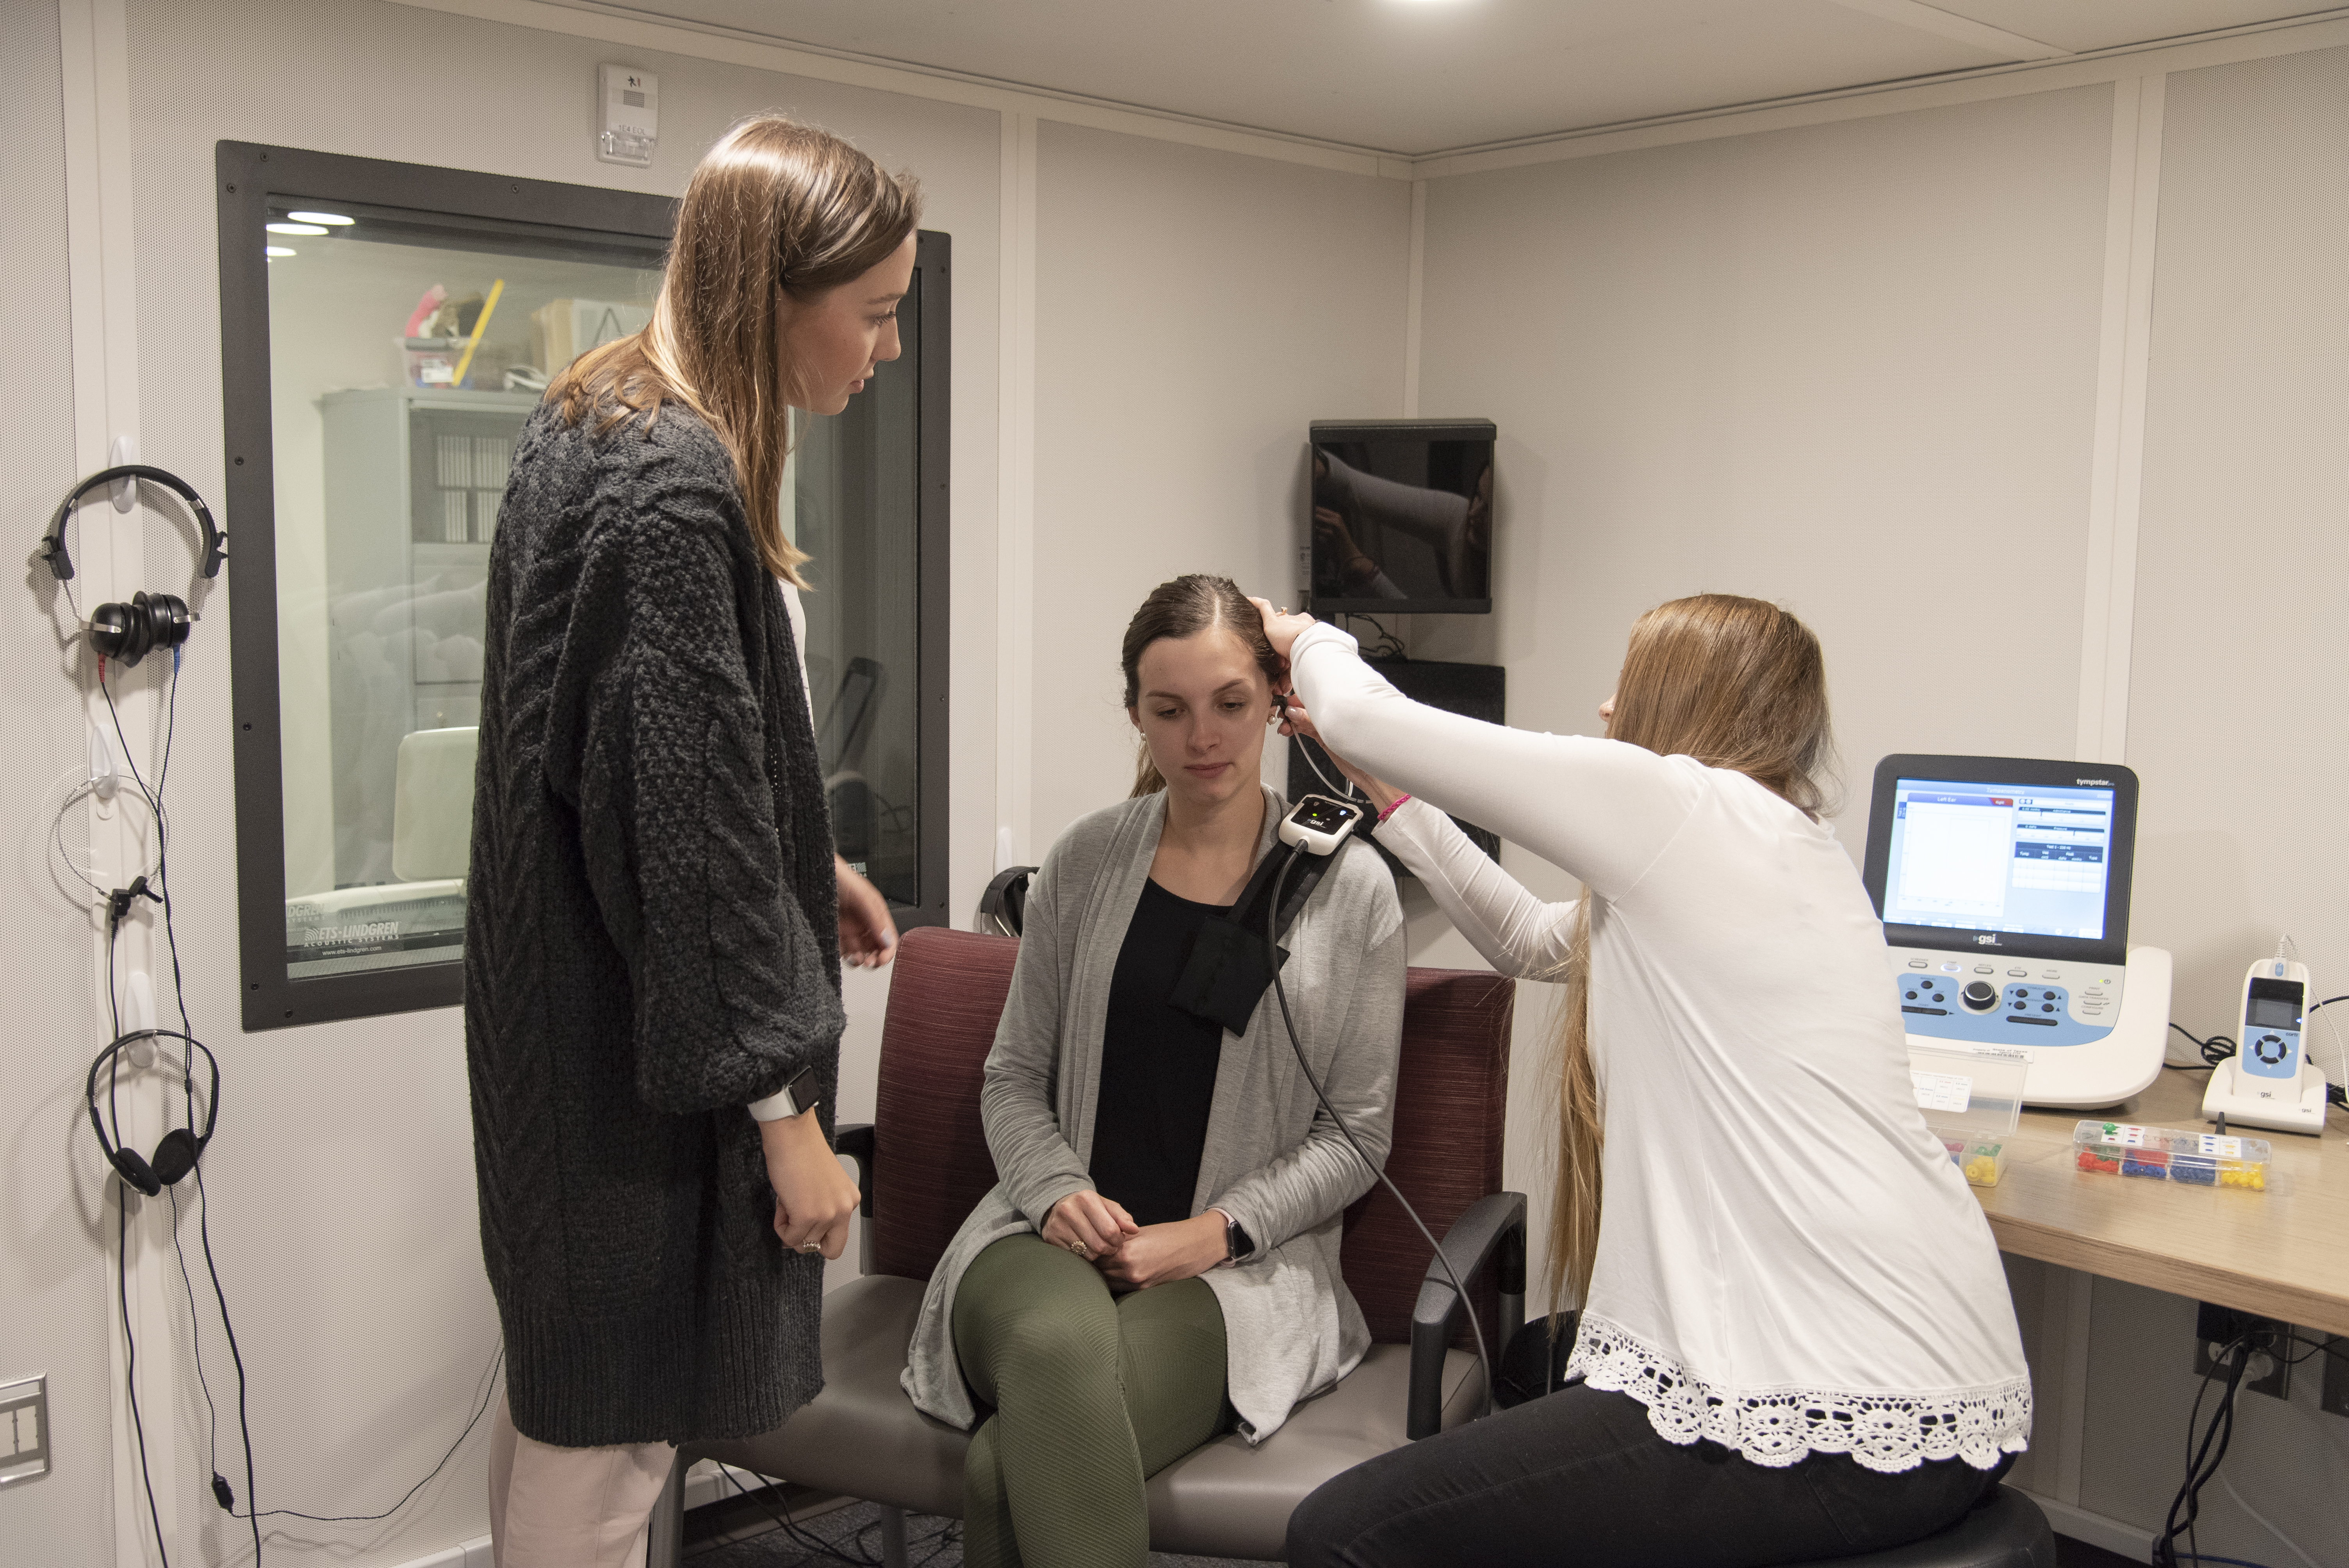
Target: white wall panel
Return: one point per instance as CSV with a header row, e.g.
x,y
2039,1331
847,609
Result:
x,y
56,1230
1851,368
2238,658
1195,311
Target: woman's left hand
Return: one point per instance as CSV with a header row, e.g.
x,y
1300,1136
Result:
x,y
868,937
1161,1254
1282,627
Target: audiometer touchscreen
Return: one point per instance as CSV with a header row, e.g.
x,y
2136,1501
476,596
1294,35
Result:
x,y
2030,859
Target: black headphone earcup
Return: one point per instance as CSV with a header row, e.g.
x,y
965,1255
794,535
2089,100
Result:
x,y
130,632
175,1155
112,629
168,621
136,1172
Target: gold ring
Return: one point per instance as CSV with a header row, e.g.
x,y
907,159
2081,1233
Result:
x,y
809,1247
1080,1248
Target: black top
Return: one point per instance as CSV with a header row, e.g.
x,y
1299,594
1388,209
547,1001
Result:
x,y
1158,1067
650,943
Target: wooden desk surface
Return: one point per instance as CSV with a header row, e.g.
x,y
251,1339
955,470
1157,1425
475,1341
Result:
x,y
2282,1253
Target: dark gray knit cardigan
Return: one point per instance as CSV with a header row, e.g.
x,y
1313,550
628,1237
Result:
x,y
651,942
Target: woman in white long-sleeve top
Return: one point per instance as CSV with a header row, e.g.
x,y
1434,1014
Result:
x,y
1797,1340
1159,1262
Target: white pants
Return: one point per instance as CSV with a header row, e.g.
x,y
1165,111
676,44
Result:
x,y
570,1508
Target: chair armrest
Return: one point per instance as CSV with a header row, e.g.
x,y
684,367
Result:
x,y
1495,1225
854,1138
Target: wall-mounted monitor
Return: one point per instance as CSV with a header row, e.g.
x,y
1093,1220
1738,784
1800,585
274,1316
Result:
x,y
1399,513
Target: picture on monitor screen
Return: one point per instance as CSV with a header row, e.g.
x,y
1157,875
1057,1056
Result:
x,y
1403,521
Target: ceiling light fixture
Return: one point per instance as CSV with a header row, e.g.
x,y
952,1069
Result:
x,y
277,251
332,220
294,228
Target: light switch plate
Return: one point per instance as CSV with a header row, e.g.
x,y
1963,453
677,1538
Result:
x,y
24,1431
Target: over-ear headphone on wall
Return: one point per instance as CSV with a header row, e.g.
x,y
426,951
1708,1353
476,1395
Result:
x,y
151,621
181,1147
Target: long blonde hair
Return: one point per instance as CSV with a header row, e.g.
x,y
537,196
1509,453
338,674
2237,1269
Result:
x,y
1184,607
776,208
1736,684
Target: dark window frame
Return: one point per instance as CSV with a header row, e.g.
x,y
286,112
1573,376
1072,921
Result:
x,y
247,177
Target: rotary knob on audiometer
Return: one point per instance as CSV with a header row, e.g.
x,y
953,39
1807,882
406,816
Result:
x,y
1979,994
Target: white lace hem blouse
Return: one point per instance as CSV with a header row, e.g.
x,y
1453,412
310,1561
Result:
x,y
1788,1263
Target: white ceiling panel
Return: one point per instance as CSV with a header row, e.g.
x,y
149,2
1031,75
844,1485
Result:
x,y
1418,76
2082,25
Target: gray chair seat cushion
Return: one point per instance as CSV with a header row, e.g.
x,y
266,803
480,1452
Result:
x,y
2008,1532
863,1438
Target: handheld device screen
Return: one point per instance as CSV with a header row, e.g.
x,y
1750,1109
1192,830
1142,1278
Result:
x,y
2028,858
2272,1004
1323,815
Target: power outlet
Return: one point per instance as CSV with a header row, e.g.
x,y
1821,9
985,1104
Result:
x,y
24,1429
2269,1371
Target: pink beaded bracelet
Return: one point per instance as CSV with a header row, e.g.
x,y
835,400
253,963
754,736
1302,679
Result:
x,y
1391,809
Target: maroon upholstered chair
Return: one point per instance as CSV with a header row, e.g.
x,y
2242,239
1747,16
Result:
x,y
925,1164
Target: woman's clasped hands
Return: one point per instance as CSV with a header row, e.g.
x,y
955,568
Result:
x,y
1132,1256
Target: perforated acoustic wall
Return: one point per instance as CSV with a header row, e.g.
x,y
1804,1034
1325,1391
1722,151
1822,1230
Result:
x,y
54,1294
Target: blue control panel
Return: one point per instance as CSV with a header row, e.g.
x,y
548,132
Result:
x,y
2033,1003
2273,1054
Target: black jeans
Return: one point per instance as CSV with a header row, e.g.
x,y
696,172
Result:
x,y
1580,1477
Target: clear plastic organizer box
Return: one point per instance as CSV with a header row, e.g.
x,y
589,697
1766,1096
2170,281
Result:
x,y
2168,1154
1973,1100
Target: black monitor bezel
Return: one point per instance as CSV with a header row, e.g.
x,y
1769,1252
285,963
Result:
x,y
2119,874
1322,432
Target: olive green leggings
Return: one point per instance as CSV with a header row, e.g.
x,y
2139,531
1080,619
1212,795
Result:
x,y
1093,1394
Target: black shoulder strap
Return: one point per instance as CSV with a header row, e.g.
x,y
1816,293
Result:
x,y
1227,974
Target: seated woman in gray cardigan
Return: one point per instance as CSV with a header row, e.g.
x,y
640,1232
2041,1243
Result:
x,y
1160,1261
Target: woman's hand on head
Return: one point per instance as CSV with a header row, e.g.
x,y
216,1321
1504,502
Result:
x,y
1161,1254
868,937
1092,1226
1280,627
815,1199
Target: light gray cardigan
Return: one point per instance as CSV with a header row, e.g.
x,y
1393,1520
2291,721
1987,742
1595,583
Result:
x,y
1272,1158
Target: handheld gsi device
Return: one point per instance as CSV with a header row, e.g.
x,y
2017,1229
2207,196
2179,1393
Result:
x,y
2003,886
2271,1081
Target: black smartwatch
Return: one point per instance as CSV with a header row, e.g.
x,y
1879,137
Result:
x,y
1237,1242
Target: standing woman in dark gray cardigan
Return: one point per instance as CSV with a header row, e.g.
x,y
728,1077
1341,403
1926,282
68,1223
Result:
x,y
656,915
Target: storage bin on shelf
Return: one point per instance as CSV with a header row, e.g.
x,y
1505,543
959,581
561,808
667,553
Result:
x,y
2170,1154
1972,1100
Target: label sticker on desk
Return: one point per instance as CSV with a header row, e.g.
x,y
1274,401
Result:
x,y
2221,1148
1942,1092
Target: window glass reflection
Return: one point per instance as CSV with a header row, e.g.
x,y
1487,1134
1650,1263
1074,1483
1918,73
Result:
x,y
853,494
405,353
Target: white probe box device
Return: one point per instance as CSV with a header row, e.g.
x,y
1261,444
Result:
x,y
2271,1081
2003,886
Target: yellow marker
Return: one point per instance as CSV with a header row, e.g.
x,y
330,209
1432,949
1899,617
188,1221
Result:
x,y
480,325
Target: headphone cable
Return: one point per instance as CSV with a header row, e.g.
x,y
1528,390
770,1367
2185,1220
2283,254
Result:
x,y
1377,1168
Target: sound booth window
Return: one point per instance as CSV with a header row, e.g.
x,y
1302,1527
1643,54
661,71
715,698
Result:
x,y
387,329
